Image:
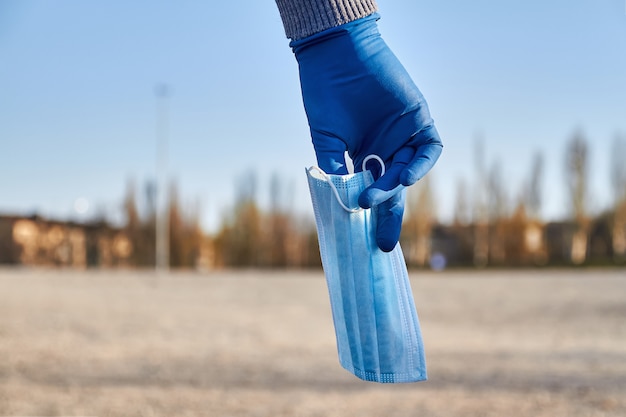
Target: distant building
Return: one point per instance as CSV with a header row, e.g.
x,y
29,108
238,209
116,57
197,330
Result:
x,y
515,241
35,241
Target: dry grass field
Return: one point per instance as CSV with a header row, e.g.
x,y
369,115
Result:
x,y
498,343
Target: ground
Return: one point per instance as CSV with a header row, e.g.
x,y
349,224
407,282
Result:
x,y
498,343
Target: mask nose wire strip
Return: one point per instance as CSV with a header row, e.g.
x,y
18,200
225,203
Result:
x,y
334,188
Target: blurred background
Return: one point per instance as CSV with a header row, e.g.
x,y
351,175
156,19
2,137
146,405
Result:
x,y
123,125
146,136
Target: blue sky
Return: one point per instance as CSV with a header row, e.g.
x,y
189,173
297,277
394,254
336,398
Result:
x,y
78,105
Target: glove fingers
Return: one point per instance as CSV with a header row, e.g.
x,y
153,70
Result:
x,y
389,216
389,184
330,153
428,148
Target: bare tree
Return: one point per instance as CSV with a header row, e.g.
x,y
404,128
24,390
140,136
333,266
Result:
x,y
279,237
576,177
497,201
533,195
140,223
618,168
239,239
618,181
417,227
461,207
185,236
497,210
480,217
130,206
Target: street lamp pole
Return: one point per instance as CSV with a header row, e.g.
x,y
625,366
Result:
x,y
162,250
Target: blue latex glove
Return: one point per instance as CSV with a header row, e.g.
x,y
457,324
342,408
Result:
x,y
359,98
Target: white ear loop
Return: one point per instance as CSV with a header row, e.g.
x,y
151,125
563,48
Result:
x,y
377,158
332,186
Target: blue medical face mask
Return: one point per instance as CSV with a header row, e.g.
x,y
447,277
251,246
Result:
x,y
377,329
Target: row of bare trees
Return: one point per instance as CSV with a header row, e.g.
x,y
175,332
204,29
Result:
x,y
493,209
251,237
185,235
491,225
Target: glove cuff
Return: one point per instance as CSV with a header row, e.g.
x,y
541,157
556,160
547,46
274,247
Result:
x,y
303,18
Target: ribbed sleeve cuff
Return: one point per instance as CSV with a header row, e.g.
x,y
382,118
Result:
x,y
303,18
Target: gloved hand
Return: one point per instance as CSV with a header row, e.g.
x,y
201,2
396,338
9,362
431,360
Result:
x,y
359,98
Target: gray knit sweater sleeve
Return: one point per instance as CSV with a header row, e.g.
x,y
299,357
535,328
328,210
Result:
x,y
303,18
